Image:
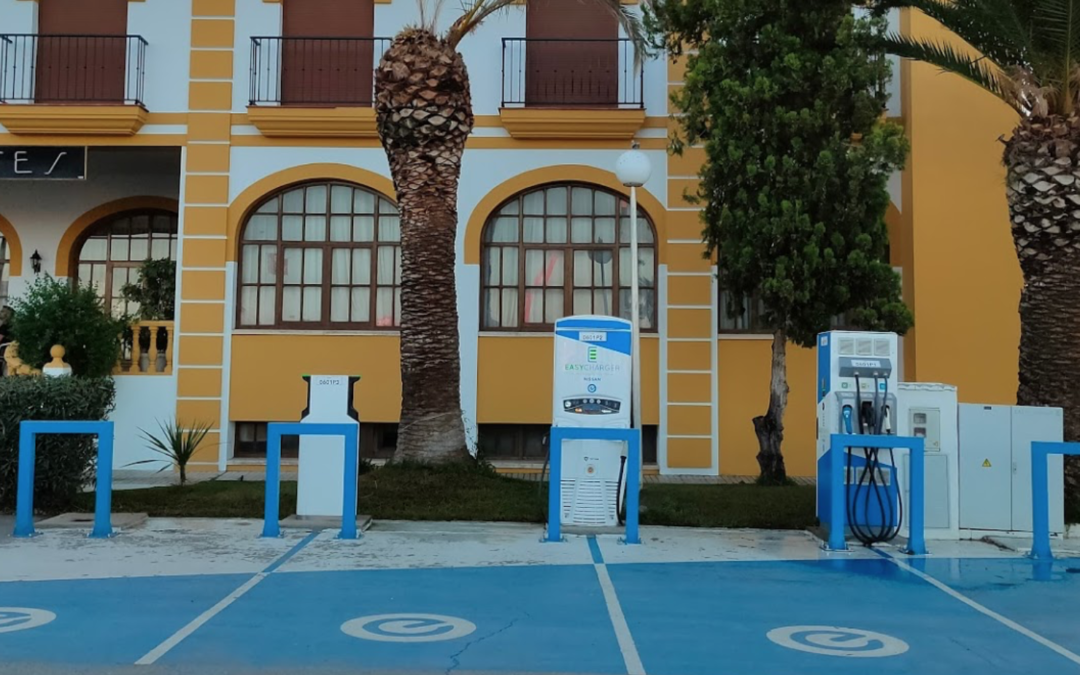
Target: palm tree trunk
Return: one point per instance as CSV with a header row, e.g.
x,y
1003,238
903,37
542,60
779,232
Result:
x,y
770,426
424,115
1043,186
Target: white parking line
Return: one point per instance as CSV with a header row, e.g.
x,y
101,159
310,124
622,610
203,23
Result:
x,y
1004,620
198,622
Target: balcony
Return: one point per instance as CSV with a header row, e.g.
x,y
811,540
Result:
x,y
72,84
571,89
313,86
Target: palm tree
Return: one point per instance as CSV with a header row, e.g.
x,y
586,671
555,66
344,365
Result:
x,y
424,114
1029,57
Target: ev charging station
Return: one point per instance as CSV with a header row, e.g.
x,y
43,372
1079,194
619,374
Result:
x,y
592,389
857,382
321,471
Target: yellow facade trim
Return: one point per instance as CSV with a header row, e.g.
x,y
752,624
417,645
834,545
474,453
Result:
x,y
212,126
560,173
533,123
208,158
690,355
67,249
219,8
473,143
197,317
211,33
288,122
201,350
689,420
204,253
201,285
137,141
689,453
690,290
257,191
210,96
66,120
689,387
207,190
212,65
14,246
201,412
199,382
690,323
206,220
689,257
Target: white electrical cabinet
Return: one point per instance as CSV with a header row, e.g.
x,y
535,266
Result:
x,y
995,466
929,411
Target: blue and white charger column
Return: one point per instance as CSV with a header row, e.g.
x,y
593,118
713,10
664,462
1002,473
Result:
x,y
322,463
592,389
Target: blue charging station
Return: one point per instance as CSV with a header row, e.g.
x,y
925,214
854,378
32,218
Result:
x,y
872,504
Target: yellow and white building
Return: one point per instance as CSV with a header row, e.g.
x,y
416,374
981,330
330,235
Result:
x,y
237,137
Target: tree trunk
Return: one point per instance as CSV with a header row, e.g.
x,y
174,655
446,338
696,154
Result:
x,y
183,475
424,114
770,427
1043,187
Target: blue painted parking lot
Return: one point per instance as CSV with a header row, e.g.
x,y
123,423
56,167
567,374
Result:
x,y
699,605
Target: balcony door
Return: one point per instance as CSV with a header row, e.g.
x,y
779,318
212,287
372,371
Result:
x,y
327,56
571,54
81,51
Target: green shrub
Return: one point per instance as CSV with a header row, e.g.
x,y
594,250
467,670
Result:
x,y
54,312
64,463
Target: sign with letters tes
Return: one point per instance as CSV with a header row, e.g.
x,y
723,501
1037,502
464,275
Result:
x,y
42,163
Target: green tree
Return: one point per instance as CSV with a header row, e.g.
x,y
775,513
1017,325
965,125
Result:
x,y
787,99
1029,57
423,111
54,312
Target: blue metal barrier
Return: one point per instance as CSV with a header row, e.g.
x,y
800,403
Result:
x,y
839,446
274,432
29,430
1040,494
632,438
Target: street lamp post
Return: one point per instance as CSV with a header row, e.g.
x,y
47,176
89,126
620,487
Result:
x,y
633,170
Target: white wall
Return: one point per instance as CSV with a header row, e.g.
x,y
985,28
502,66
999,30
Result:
x,y
166,27
41,211
142,403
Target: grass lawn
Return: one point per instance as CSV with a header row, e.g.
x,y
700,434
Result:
x,y
422,493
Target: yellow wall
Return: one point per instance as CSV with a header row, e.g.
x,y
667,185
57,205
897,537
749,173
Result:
x,y
744,394
966,278
515,379
266,374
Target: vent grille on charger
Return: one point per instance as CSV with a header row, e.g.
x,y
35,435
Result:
x,y
589,502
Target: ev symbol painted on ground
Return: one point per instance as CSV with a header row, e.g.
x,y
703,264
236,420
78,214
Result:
x,y
408,627
23,618
837,641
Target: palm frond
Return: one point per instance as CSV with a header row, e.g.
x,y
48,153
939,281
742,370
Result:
x,y
998,29
978,70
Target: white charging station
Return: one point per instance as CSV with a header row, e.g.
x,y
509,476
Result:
x,y
928,410
321,472
592,389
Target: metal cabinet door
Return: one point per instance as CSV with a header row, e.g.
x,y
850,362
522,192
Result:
x,y
985,467
1030,423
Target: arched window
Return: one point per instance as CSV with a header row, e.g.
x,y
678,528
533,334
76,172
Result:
x,y
323,255
4,272
114,249
564,249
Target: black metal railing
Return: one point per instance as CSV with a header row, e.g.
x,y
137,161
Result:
x,y
72,69
315,70
595,73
